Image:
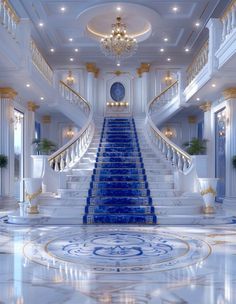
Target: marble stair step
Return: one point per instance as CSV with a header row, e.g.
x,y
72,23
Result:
x,y
118,192
108,177
123,185
120,219
114,209
119,154
178,210
134,159
177,201
124,201
163,193
119,165
69,193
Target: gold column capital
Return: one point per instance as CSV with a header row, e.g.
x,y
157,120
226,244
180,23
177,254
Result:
x,y
91,68
229,93
46,119
7,92
192,119
206,106
144,68
32,106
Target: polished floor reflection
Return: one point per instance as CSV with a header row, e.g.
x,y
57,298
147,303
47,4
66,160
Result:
x,y
117,264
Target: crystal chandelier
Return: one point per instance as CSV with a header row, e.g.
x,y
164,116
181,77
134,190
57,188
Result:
x,y
118,45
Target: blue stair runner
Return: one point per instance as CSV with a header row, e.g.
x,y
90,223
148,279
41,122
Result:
x,y
119,191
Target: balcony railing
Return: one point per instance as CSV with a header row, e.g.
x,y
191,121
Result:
x,y
8,17
70,153
198,63
229,20
178,157
164,98
40,63
74,97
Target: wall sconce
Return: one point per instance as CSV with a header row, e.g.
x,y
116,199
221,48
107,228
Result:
x,y
117,104
70,133
168,79
70,79
169,132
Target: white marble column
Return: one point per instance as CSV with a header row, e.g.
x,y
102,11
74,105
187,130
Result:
x,y
215,28
29,136
143,73
208,134
7,96
230,197
91,82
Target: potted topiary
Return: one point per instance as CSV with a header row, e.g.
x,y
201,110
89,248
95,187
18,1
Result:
x,y
3,164
196,146
44,146
234,161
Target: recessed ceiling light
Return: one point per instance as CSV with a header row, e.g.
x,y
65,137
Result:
x,y
118,8
175,8
197,24
52,50
76,50
71,59
70,39
62,8
41,24
27,85
41,98
118,64
213,85
166,39
162,50
198,99
168,59
186,49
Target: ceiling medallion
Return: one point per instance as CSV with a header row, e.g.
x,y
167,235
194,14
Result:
x,y
118,45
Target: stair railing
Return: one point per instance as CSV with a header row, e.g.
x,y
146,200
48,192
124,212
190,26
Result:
x,y
178,157
8,17
74,97
64,158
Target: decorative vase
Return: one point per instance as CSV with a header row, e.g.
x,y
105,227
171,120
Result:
x,y
208,193
33,188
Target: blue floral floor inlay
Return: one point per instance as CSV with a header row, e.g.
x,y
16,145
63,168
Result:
x,y
118,191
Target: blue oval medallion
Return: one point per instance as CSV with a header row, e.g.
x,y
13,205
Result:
x,y
117,91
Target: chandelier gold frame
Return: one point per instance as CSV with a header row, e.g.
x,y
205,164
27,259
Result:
x,y
119,44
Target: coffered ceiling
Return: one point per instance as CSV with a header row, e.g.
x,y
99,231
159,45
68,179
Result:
x,y
84,21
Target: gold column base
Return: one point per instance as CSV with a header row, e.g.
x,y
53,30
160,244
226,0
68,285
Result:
x,y
208,210
32,210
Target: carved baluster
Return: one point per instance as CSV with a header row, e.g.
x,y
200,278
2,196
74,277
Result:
x,y
77,149
72,153
174,158
185,165
67,158
228,29
168,153
163,147
180,163
233,19
224,31
62,163
57,164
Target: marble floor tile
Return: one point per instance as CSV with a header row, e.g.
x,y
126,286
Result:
x,y
117,264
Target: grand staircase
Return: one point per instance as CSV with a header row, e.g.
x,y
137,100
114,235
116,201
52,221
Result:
x,y
119,190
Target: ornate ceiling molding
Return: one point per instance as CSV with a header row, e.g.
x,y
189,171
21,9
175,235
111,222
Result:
x,y
8,93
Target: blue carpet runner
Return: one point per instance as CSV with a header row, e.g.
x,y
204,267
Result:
x,y
119,191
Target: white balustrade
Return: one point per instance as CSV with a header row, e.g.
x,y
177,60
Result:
x,y
8,17
40,63
73,97
229,20
178,157
70,153
199,61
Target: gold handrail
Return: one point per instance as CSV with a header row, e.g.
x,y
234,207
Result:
x,y
76,93
162,93
156,130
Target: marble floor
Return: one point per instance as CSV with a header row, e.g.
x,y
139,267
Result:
x,y
117,264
